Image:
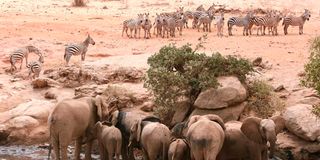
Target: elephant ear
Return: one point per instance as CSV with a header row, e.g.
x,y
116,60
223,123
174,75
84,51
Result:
x,y
139,130
114,117
252,130
151,119
279,122
98,103
193,119
217,119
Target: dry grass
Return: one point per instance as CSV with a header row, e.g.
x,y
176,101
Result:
x,y
262,100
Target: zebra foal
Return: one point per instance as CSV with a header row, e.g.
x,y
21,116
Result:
x,y
20,54
78,49
35,67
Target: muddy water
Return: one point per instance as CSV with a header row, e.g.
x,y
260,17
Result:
x,y
29,153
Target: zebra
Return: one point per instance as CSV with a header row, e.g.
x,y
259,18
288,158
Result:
x,y
200,8
146,26
205,19
240,22
296,21
219,22
270,20
133,25
35,67
187,15
157,25
196,15
20,54
212,8
78,49
169,26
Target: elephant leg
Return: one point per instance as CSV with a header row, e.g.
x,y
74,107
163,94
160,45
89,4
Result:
x,y
88,150
55,145
146,155
102,151
77,149
64,152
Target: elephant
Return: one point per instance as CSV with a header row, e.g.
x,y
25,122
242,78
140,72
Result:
x,y
124,121
248,140
109,139
205,136
153,137
179,150
74,119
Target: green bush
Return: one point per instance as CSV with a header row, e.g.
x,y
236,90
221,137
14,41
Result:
x,y
312,68
176,73
262,100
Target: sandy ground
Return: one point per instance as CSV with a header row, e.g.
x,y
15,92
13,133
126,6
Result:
x,y
50,25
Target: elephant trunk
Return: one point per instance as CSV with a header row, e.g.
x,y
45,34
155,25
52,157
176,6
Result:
x,y
272,140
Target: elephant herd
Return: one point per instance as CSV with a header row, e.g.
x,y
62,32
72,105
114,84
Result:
x,y
204,137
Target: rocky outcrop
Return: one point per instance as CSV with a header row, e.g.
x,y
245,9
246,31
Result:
x,y
44,83
26,123
289,146
302,122
231,113
75,76
181,110
229,93
227,101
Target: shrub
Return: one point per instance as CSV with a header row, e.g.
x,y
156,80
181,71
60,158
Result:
x,y
262,100
176,73
79,3
312,68
316,110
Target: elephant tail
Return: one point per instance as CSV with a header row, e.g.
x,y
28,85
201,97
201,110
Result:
x,y
165,151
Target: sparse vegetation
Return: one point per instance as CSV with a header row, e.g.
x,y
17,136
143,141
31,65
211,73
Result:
x,y
79,3
178,72
262,100
312,68
316,110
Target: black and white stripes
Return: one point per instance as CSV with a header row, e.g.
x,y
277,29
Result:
x,y
35,67
296,21
20,54
78,49
240,22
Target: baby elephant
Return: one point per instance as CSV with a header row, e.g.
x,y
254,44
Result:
x,y
110,140
179,150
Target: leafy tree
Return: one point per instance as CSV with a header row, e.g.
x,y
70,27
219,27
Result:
x,y
177,73
312,68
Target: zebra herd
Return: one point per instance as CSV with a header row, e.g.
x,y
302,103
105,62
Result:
x,y
165,24
35,66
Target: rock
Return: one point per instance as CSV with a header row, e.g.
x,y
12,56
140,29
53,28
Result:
x,y
90,90
44,82
231,113
147,106
289,146
180,113
279,88
104,7
229,93
302,122
51,94
301,74
257,61
26,123
310,101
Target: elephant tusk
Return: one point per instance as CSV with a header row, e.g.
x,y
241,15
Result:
x,y
129,144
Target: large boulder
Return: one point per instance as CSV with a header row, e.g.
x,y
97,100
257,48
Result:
x,y
181,110
26,123
231,113
229,93
289,146
302,122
